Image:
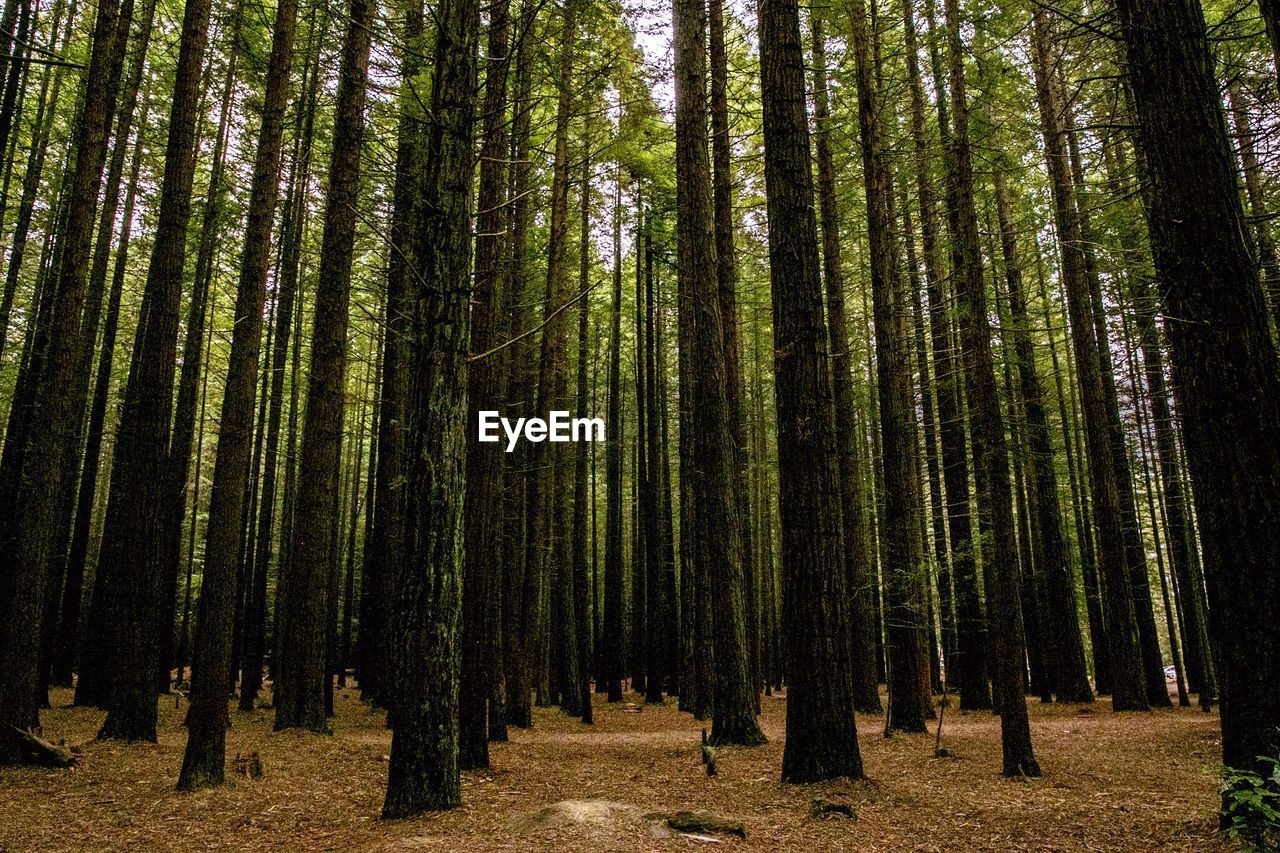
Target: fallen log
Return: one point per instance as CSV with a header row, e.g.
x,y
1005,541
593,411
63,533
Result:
x,y
34,749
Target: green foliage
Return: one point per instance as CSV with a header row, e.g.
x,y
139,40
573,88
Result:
x,y
1251,805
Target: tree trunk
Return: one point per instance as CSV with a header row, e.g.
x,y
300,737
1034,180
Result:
x,y
581,512
859,567
203,762
611,632
1125,653
30,540
138,499
970,667
990,451
303,684
717,532
423,771
486,388
821,738
1069,677
385,551
900,523
1224,359
727,280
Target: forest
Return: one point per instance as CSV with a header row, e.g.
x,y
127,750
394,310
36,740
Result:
x,y
926,352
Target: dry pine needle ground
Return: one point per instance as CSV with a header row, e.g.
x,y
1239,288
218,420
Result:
x,y
1112,782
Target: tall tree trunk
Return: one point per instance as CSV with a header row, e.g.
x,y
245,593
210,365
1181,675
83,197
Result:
x,y
611,631
716,503
1069,677
184,420
486,388
949,373
549,489
900,523
253,645
93,317
28,535
204,758
520,610
1125,653
990,451
1182,556
423,770
304,683
581,512
859,568
1079,498
1224,359
821,738
727,281
655,599
385,551
1135,549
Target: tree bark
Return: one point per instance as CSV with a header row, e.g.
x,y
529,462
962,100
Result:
x,y
302,685
859,568
28,536
903,551
385,551
423,772
990,451
1068,675
486,387
1125,653
204,759
1224,359
717,531
821,738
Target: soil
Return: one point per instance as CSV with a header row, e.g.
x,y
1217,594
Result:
x,y
1111,782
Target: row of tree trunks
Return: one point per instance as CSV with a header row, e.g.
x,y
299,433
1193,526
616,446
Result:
x,y
859,568
301,680
28,536
204,760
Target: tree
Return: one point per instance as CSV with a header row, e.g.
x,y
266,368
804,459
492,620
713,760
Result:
x,y
1125,661
486,388
423,772
859,569
1069,678
903,553
821,736
27,538
716,507
611,631
970,667
1224,360
385,551
132,544
302,684
204,760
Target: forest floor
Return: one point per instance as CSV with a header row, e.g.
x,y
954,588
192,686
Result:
x,y
1111,782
